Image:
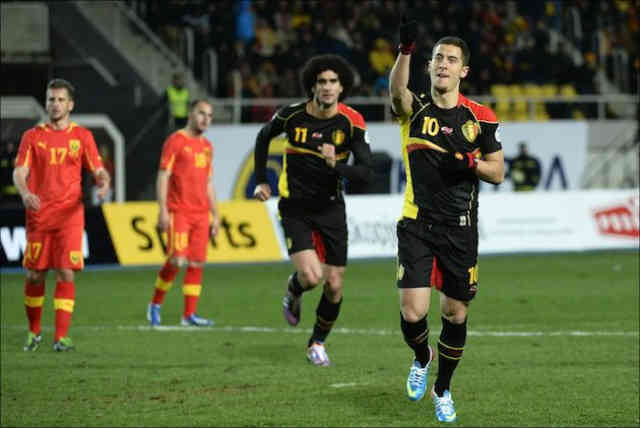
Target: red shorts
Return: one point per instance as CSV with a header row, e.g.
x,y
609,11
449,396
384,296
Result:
x,y
188,235
54,249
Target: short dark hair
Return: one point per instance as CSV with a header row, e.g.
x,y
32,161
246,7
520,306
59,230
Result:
x,y
61,83
321,63
456,41
197,101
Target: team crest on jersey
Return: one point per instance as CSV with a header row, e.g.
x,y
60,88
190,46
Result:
x,y
41,144
74,148
75,257
470,130
338,137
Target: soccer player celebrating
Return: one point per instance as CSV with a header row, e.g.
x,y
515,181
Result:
x,y
186,195
322,132
48,176
449,142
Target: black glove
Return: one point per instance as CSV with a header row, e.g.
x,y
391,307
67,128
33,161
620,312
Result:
x,y
457,161
408,34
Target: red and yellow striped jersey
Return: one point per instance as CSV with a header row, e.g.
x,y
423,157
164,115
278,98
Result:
x,y
188,160
55,160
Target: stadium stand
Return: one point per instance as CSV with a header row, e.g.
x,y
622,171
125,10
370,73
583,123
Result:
x,y
245,55
513,42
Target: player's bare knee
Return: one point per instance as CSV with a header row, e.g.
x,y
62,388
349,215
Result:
x,y
65,275
36,276
333,285
333,290
311,277
455,311
413,313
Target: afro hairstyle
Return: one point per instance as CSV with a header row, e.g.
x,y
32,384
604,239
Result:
x,y
321,63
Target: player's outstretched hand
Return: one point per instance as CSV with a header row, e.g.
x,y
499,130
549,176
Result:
x,y
103,190
262,192
459,161
408,34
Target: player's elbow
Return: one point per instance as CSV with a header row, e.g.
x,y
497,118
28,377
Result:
x,y
497,177
19,174
396,91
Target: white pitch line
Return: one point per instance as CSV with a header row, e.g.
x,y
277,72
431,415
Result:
x,y
341,330
345,385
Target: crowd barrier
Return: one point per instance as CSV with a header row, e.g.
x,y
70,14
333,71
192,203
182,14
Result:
x,y
126,234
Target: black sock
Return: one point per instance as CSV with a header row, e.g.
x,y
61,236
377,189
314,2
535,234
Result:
x,y
450,348
416,335
326,316
294,285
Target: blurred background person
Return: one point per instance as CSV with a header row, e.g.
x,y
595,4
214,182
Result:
x,y
177,98
9,196
525,170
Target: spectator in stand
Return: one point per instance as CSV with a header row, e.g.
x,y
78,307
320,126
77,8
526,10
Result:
x,y
584,81
483,68
381,57
169,14
287,86
197,17
516,35
245,21
266,39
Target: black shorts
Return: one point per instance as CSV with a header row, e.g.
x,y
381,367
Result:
x,y
323,230
445,257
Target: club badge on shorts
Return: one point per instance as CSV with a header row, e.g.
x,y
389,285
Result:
x,y
75,257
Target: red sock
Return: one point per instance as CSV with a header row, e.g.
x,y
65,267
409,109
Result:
x,y
164,281
191,288
63,302
33,301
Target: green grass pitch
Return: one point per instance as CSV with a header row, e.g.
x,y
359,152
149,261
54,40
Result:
x,y
553,341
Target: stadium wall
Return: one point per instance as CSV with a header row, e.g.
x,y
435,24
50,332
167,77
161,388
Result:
x,y
561,147
125,233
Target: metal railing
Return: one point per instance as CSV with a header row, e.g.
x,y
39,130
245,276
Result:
x,y
618,158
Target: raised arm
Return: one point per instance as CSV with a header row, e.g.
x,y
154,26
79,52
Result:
x,y
399,76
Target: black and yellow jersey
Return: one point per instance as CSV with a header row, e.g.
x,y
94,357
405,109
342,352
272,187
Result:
x,y
305,175
428,133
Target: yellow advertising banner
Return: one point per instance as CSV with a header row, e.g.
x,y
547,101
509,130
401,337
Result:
x,y
246,233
